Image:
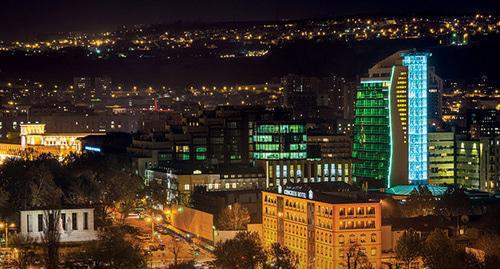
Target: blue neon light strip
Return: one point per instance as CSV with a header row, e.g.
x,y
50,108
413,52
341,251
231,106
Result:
x,y
94,149
417,117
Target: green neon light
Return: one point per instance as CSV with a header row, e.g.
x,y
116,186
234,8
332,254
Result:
x,y
376,81
390,130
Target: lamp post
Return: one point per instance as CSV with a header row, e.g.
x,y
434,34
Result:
x,y
152,220
6,226
213,234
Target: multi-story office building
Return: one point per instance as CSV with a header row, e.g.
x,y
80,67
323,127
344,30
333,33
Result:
x,y
390,132
318,99
434,97
183,179
331,146
282,172
491,163
321,224
478,163
469,154
441,158
226,135
279,141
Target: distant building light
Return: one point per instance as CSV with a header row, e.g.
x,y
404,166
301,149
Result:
x,y
94,149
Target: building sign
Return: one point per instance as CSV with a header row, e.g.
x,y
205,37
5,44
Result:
x,y
299,194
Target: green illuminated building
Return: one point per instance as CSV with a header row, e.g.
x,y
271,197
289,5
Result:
x,y
371,126
278,141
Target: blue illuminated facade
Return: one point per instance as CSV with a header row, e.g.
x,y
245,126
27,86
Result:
x,y
417,116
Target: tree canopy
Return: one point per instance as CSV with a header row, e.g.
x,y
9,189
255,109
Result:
x,y
242,252
234,217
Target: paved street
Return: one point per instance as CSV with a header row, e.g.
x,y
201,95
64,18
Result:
x,y
166,237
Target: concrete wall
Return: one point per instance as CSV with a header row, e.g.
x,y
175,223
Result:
x,y
221,236
194,221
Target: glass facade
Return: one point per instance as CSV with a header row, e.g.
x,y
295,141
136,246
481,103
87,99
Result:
x,y
372,131
417,116
279,141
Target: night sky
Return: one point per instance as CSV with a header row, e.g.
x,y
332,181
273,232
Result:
x,y
24,19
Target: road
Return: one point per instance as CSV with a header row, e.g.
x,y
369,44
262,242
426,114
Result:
x,y
173,241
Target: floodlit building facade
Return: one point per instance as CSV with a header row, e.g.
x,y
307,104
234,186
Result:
x,y
390,133
478,163
282,172
320,228
74,225
441,158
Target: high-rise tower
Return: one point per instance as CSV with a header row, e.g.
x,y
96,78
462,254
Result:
x,y
390,134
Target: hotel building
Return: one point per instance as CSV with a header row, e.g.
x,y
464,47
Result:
x,y
390,133
321,223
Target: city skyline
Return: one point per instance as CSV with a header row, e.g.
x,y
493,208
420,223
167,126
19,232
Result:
x,y
249,134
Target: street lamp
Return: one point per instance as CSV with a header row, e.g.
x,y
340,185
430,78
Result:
x,y
152,220
6,226
168,214
214,230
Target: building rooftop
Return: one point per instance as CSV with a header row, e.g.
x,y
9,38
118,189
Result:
x,y
405,190
337,192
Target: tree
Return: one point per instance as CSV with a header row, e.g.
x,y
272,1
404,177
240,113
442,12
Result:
x,y
355,257
30,183
176,248
114,250
25,246
159,194
390,208
281,257
4,197
438,251
104,182
234,217
51,237
242,252
489,243
420,202
454,202
409,247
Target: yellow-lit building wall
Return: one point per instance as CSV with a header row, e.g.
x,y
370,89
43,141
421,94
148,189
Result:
x,y
321,233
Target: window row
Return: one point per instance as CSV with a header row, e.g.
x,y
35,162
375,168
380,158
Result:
x,y
352,239
359,224
351,211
